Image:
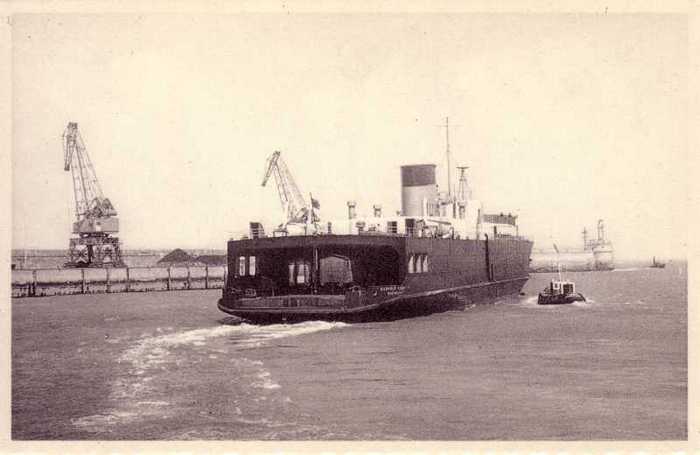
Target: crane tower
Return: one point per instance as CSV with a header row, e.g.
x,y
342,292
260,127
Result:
x,y
297,210
92,243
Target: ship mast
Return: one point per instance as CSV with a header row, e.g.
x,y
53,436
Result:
x,y
464,192
449,157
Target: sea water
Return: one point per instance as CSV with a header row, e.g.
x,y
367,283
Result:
x,y
169,365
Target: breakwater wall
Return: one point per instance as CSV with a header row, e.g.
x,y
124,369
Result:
x,y
46,282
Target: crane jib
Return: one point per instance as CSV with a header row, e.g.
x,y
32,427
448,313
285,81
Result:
x,y
294,205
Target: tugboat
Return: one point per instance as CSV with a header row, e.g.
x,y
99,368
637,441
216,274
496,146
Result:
x,y
657,265
560,292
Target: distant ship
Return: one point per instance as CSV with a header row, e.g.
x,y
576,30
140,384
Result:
x,y
657,265
440,252
597,254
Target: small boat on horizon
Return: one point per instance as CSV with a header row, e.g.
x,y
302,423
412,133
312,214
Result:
x,y
657,265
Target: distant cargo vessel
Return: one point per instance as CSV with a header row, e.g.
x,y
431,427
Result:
x,y
439,252
597,254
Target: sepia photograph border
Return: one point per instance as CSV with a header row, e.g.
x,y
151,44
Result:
x,y
691,9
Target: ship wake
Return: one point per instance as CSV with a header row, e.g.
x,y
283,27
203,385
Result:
x,y
150,367
531,302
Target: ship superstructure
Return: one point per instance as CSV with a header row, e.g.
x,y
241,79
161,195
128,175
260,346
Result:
x,y
426,212
600,247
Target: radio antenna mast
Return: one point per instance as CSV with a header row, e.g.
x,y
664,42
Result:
x,y
450,190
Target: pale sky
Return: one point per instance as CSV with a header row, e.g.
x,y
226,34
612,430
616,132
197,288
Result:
x,y
563,118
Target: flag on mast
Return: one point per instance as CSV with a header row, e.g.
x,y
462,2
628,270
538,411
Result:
x,y
314,202
314,205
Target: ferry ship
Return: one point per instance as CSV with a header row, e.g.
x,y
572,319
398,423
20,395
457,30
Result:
x,y
440,252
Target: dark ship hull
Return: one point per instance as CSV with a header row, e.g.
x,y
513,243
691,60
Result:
x,y
386,281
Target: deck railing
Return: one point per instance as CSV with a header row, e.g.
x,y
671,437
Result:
x,y
46,282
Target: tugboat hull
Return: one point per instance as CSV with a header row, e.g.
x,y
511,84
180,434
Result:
x,y
544,299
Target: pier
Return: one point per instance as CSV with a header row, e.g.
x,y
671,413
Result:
x,y
48,282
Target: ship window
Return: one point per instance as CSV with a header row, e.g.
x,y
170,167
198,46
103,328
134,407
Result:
x,y
299,272
241,266
251,265
303,273
420,263
392,227
410,224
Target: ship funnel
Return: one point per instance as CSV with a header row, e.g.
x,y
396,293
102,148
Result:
x,y
417,185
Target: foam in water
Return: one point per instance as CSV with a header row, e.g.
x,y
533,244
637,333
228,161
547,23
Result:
x,y
531,302
135,394
152,350
253,336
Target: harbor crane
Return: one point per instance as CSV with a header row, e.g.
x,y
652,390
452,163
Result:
x,y
297,210
92,243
